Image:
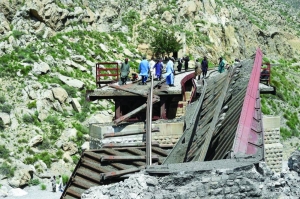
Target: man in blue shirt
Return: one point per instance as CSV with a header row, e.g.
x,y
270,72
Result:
x,y
144,70
169,75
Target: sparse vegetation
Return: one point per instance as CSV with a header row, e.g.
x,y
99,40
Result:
x,y
7,170
65,179
44,156
4,152
2,127
43,187
32,104
34,182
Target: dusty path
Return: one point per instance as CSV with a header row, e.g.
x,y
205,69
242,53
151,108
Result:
x,y
35,192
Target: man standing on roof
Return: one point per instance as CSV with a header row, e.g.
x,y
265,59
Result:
x,y
125,67
144,70
151,64
221,65
186,63
204,66
169,75
180,61
158,69
198,70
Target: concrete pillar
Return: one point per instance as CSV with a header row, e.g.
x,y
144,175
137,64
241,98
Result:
x,y
273,147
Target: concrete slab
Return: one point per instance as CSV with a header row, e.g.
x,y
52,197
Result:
x,y
271,122
169,133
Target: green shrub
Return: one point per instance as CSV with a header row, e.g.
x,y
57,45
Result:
x,y
31,104
30,151
2,126
54,121
65,179
17,34
20,150
59,154
4,152
80,128
29,160
22,141
70,90
6,108
45,144
2,99
7,170
44,156
75,159
43,187
285,133
28,119
34,182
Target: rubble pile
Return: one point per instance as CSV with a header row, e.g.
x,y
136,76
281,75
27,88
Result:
x,y
294,161
245,182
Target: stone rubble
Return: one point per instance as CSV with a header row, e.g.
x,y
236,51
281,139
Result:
x,y
249,182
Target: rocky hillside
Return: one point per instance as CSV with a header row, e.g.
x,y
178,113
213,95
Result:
x,y
48,49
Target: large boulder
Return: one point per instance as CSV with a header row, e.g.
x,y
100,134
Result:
x,y
60,94
35,140
190,8
40,68
4,24
71,82
103,117
75,65
71,147
22,176
48,12
5,118
76,105
167,16
294,161
79,58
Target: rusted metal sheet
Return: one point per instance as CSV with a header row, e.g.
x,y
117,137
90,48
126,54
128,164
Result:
x,y
125,158
244,131
91,171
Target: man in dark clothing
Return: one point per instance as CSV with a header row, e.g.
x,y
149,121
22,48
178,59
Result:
x,y
53,183
124,71
180,61
204,66
186,63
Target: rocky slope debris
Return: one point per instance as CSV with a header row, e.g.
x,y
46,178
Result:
x,y
294,161
246,182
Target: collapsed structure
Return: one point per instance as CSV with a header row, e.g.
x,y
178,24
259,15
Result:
x,y
216,120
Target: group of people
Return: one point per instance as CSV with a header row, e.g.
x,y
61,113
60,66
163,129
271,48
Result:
x,y
146,67
184,60
201,68
60,184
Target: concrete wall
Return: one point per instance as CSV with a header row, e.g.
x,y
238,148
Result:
x,y
169,133
273,147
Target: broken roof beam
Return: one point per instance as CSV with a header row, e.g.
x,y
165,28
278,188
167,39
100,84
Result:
x,y
119,134
135,111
